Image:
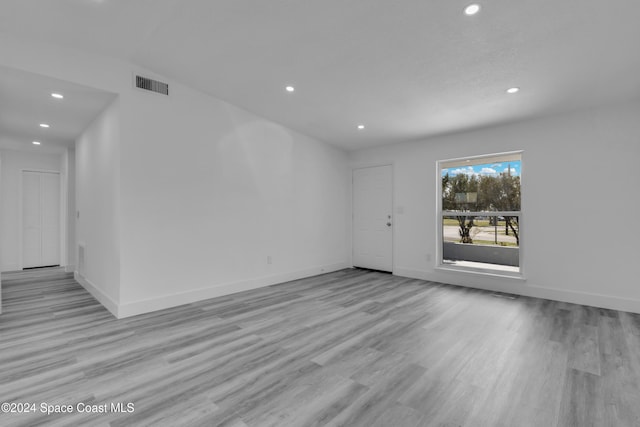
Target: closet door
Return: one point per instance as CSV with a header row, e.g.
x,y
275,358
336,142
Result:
x,y
40,219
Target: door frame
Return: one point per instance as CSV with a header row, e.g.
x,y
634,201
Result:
x,y
63,215
393,207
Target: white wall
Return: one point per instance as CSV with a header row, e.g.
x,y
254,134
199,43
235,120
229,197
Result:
x,y
69,167
577,169
12,164
183,198
97,201
209,191
1,231
96,224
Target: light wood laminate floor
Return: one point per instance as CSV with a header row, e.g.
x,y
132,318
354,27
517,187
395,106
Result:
x,y
350,348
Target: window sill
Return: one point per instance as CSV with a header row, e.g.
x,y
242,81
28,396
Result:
x,y
481,272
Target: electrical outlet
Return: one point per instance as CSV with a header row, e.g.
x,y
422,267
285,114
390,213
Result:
x,y
428,257
269,260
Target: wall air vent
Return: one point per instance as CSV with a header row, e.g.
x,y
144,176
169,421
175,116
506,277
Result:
x,y
152,85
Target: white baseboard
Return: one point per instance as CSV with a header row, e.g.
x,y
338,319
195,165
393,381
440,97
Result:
x,y
173,300
519,286
11,267
102,298
70,269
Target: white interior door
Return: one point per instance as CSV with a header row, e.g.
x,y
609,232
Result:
x,y
372,219
40,219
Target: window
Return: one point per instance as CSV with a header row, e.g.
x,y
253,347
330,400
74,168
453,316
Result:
x,y
480,219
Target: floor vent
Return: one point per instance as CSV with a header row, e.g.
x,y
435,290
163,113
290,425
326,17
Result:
x,y
507,296
152,85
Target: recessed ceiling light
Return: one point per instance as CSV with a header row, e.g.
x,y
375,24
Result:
x,y
472,9
360,127
57,95
290,88
35,143
44,125
513,90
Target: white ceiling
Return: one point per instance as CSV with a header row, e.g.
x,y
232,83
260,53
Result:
x,y
407,69
27,102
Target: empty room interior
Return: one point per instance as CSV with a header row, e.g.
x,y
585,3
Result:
x,y
366,213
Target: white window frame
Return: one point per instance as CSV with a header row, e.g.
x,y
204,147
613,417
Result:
x,y
440,213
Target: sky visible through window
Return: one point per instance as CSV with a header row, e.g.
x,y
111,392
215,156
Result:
x,y
486,169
